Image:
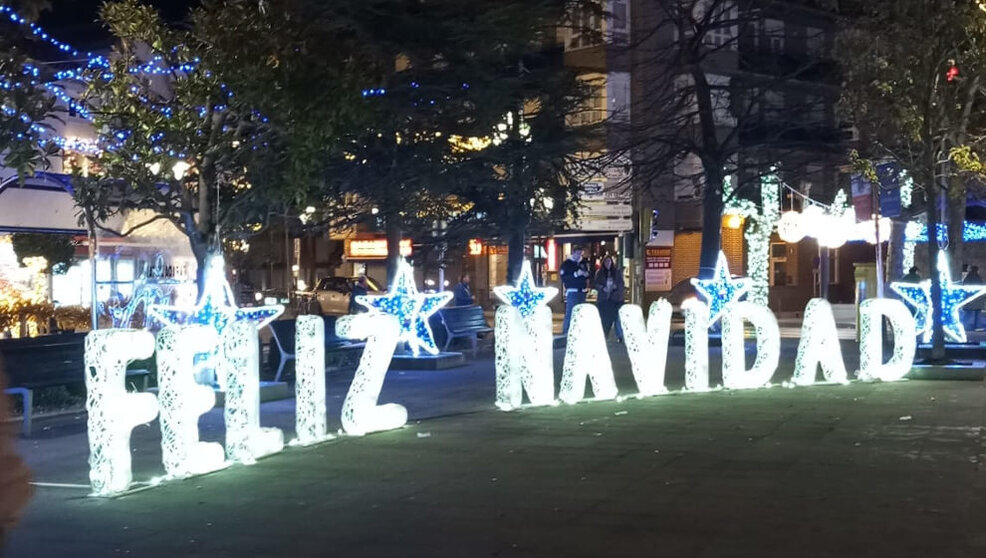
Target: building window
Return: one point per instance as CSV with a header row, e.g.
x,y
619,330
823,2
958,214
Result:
x,y
721,29
585,31
594,109
618,16
782,267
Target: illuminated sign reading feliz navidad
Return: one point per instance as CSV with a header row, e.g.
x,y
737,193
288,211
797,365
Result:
x,y
523,362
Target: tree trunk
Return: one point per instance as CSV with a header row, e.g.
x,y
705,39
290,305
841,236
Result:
x,y
956,224
202,252
938,333
516,240
712,205
395,232
895,251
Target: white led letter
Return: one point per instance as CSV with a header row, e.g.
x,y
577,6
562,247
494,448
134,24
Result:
x,y
768,335
586,355
246,441
113,413
360,412
182,401
819,346
647,345
871,365
696,344
310,420
524,357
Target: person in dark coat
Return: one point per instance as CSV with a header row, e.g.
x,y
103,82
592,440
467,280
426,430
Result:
x,y
974,307
912,276
461,294
609,285
574,274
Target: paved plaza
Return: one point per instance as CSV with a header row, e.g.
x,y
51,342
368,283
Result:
x,y
859,470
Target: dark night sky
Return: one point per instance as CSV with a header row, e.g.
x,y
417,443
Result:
x,y
75,21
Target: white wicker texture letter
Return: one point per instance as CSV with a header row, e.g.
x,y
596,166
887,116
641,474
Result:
x,y
113,413
360,412
647,345
182,401
819,345
768,335
246,441
310,419
524,357
586,355
871,365
696,344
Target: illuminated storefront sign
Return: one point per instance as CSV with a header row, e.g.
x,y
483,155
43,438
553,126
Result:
x,y
373,248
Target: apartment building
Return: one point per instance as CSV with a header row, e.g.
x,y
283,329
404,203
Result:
x,y
772,89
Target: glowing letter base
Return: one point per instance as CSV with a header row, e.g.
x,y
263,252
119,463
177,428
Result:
x,y
586,355
113,413
524,357
182,401
647,345
871,365
734,372
310,419
246,441
360,412
819,345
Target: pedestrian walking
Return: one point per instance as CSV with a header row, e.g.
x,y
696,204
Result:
x,y
574,278
609,285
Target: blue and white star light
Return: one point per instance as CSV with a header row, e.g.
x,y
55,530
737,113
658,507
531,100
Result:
x,y
411,309
953,297
721,289
526,297
217,307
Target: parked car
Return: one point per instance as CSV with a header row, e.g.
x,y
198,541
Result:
x,y
332,293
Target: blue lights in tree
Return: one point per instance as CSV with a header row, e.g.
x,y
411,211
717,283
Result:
x,y
953,297
411,308
217,307
971,232
721,289
525,296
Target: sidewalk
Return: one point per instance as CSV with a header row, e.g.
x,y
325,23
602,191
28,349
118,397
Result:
x,y
859,470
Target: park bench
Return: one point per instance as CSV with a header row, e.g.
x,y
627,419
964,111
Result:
x,y
283,332
47,361
462,322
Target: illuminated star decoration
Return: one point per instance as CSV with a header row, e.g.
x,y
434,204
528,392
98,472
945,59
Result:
x,y
721,289
525,297
411,309
953,297
217,307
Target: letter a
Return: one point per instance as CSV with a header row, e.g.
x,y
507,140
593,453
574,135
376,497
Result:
x,y
734,372
819,345
113,413
871,365
360,412
183,401
586,355
524,358
647,345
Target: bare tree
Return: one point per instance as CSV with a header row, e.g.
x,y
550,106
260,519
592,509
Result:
x,y
728,88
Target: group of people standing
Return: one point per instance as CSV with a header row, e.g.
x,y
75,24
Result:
x,y
577,279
